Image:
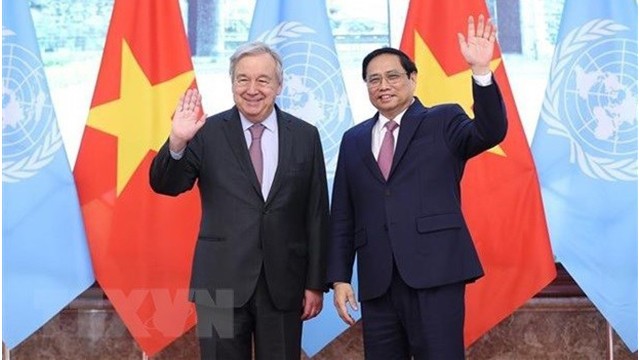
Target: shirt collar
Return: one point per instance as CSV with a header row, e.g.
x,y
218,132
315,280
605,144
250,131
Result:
x,y
270,123
382,120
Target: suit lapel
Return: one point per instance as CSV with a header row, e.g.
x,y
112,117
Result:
x,y
364,148
285,147
235,136
410,124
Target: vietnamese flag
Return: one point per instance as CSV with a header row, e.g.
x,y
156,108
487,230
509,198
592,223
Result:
x,y
500,191
141,243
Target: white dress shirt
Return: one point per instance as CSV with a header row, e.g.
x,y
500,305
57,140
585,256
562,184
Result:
x,y
269,144
379,130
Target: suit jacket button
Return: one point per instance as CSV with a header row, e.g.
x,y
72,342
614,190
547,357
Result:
x,y
387,192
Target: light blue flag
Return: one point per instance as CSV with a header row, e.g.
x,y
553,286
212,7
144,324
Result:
x,y
586,152
45,259
313,90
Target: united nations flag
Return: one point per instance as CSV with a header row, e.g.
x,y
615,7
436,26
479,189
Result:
x,y
45,260
313,90
586,152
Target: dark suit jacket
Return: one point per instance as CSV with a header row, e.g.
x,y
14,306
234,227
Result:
x,y
414,218
239,231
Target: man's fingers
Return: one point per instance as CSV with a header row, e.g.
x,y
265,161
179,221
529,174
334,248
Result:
x,y
351,299
492,33
471,29
180,104
306,313
306,309
488,29
462,41
190,100
481,28
344,314
343,294
314,312
200,122
309,314
311,304
339,302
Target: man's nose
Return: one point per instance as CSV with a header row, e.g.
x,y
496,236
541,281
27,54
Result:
x,y
384,82
253,87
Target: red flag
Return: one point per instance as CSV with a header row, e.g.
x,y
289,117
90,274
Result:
x,y
500,192
141,243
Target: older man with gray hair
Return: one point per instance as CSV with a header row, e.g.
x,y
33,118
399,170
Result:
x,y
259,267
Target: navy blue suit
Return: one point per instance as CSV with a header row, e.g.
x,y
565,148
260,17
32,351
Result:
x,y
412,224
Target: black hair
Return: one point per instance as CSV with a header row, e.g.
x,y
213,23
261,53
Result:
x,y
407,64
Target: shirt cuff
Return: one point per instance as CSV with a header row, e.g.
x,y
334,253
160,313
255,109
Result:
x,y
483,80
176,155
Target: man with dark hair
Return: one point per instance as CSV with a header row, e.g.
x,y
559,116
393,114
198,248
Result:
x,y
396,204
259,266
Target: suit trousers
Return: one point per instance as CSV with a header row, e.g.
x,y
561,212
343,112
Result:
x,y
424,323
276,334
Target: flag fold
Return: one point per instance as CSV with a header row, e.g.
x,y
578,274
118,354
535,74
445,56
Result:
x,y
45,259
586,150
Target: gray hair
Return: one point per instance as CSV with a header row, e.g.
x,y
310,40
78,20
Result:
x,y
255,48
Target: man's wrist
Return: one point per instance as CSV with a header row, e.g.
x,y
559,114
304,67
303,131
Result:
x,y
480,70
176,145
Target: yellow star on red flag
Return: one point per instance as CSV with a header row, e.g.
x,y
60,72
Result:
x,y
140,117
141,242
450,88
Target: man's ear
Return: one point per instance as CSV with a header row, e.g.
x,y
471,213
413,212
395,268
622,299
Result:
x,y
414,79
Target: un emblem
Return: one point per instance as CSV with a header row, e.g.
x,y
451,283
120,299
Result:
x,y
313,89
592,99
30,136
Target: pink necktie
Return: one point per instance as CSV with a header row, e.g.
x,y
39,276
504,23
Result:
x,y
255,149
385,158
